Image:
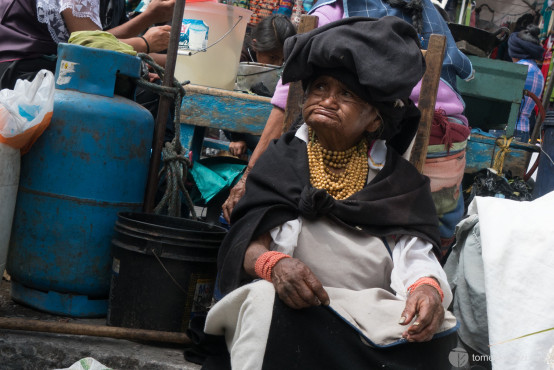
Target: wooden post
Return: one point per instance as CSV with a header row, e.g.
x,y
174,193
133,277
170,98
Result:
x,y
427,99
296,94
13,323
163,107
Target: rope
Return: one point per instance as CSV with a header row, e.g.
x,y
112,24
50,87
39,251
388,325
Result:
x,y
504,144
175,161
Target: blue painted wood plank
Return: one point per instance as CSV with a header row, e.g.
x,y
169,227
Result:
x,y
234,111
481,152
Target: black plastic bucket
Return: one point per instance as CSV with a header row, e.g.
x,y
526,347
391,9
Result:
x,y
163,271
545,173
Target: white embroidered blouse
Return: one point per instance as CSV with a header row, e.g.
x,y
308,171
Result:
x,y
49,12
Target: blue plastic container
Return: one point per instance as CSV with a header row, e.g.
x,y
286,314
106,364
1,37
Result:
x,y
90,164
545,173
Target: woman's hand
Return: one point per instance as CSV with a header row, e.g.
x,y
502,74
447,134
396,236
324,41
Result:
x,y
237,148
160,11
158,38
296,285
424,303
234,196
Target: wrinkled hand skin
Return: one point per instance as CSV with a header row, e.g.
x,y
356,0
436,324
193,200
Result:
x,y
296,285
424,303
234,196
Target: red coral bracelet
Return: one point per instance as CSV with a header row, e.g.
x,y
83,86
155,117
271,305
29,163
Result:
x,y
265,263
426,281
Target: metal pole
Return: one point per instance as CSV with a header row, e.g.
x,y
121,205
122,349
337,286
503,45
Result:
x,y
163,108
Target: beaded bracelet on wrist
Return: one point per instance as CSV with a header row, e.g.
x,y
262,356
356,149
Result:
x,y
265,263
427,281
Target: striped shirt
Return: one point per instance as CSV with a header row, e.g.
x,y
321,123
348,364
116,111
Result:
x,y
534,83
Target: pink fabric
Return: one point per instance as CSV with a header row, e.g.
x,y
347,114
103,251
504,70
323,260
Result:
x,y
447,100
279,98
326,14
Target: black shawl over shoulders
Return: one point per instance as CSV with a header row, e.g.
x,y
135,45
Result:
x,y
397,201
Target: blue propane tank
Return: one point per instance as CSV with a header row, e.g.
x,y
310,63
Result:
x,y
91,163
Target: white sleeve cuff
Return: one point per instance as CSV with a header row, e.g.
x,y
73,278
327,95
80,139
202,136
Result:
x,y
413,259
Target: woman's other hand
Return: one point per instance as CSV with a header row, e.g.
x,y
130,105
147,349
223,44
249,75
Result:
x,y
424,303
296,284
158,38
234,196
237,148
160,11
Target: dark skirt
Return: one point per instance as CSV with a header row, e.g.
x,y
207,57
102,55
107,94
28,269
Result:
x,y
317,338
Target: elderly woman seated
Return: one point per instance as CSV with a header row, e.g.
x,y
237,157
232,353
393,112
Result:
x,y
329,263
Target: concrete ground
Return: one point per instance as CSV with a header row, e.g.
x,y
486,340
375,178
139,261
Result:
x,y
25,350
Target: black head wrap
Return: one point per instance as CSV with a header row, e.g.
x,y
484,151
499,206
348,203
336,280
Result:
x,y
378,59
525,44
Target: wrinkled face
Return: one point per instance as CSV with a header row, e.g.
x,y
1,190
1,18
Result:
x,y
337,115
274,57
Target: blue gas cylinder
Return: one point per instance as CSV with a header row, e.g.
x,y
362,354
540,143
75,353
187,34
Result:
x,y
91,163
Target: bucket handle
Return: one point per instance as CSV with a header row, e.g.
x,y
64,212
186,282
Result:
x,y
190,53
168,273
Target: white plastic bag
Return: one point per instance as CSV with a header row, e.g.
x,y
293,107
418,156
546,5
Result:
x,y
87,363
26,111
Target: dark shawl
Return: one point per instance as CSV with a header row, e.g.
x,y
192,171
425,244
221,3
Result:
x,y
397,201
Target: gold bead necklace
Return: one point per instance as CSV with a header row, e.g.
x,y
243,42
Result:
x,y
341,173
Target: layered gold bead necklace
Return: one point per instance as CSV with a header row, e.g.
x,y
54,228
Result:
x,y
326,164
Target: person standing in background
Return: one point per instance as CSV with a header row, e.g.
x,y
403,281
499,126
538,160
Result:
x,y
264,45
524,47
